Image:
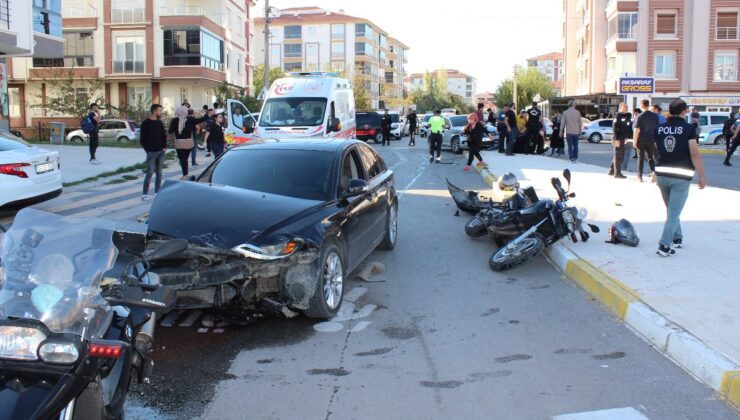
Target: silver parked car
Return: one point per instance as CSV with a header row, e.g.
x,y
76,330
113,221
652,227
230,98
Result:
x,y
110,130
598,131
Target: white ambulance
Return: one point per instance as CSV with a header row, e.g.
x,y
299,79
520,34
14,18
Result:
x,y
307,105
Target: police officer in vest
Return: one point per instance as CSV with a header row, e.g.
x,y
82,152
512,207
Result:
x,y
678,160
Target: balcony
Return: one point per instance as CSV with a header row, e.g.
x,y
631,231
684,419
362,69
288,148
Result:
x,y
128,66
191,11
727,33
127,16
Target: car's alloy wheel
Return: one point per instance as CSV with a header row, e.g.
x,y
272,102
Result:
x,y
391,229
76,139
333,276
378,138
595,138
719,139
123,139
455,145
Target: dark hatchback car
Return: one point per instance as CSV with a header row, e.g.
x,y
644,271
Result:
x,y
276,226
369,126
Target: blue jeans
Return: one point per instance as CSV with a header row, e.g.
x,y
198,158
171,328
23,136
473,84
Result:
x,y
572,140
675,192
511,140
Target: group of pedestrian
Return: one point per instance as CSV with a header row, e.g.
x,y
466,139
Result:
x,y
185,129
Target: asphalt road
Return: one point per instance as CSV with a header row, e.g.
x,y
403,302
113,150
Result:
x,y
437,335
718,175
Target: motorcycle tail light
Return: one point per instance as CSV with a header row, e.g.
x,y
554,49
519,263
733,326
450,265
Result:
x,y
105,350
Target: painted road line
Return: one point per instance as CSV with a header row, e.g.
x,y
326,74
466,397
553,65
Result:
x,y
626,413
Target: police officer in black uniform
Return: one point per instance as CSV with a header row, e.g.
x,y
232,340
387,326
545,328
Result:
x,y
535,142
385,126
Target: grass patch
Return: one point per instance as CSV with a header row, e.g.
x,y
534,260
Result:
x,y
120,171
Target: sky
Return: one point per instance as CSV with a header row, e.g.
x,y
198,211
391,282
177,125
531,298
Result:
x,y
483,38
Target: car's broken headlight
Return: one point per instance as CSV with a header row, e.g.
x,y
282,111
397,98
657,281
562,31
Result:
x,y
268,252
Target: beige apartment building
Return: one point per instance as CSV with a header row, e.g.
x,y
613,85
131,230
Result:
x,y
551,66
690,47
316,39
458,83
145,51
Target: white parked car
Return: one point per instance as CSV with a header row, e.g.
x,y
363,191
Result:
x,y
710,127
598,131
110,130
453,137
28,174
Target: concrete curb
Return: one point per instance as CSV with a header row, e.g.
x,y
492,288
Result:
x,y
694,356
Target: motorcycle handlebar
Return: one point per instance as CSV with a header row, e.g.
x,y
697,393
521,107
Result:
x,y
559,188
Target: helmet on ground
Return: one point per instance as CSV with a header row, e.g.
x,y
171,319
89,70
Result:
x,y
508,182
623,232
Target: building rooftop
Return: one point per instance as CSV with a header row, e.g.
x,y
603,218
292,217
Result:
x,y
558,55
451,73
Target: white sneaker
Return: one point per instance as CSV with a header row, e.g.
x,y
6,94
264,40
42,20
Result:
x,y
439,160
146,197
94,162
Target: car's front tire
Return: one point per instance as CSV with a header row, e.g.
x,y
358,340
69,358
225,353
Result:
x,y
719,139
76,139
391,229
456,146
329,292
123,139
595,138
378,138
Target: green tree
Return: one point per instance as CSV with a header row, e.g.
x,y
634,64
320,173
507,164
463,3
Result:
x,y
441,81
258,77
530,82
226,91
68,96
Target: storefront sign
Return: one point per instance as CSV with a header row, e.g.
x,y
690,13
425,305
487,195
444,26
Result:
x,y
636,85
712,100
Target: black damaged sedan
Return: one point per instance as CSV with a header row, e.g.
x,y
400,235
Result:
x,y
276,226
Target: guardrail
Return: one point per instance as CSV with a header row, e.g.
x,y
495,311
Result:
x,y
728,32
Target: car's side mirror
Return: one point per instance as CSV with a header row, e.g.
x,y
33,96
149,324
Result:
x,y
356,187
335,125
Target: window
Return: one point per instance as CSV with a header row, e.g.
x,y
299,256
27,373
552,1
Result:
x,y
370,161
139,96
4,15
127,11
351,169
227,61
292,32
666,24
239,64
665,64
623,26
129,54
14,102
275,55
389,77
727,25
184,93
725,67
337,31
47,17
78,49
193,47
611,67
359,48
292,67
337,50
606,124
292,51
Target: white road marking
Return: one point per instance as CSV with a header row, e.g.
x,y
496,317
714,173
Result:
x,y
360,326
218,330
328,327
170,319
202,330
419,172
208,320
355,294
190,320
345,312
365,312
626,413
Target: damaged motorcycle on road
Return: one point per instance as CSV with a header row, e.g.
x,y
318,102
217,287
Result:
x,y
528,231
72,341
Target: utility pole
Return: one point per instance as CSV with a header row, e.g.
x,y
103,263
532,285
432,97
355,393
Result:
x,y
516,109
266,31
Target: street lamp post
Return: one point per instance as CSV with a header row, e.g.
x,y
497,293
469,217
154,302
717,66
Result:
x,y
266,31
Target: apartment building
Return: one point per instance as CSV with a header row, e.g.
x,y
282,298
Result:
x,y
458,83
27,29
488,99
145,51
551,66
316,39
690,47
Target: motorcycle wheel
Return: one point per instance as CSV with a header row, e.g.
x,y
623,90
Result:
x,y
513,255
475,228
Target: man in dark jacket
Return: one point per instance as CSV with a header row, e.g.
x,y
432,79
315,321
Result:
x,y
385,125
94,116
154,141
622,129
727,131
645,127
413,120
535,142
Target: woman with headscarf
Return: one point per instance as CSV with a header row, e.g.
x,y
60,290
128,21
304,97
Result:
x,y
183,128
475,130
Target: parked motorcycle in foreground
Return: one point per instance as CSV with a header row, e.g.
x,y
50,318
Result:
x,y
537,226
70,339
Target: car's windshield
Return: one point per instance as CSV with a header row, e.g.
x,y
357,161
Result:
x,y
459,121
367,118
394,117
294,173
51,268
10,142
293,112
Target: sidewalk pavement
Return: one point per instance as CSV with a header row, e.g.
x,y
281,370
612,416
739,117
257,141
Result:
x,y
75,160
686,305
